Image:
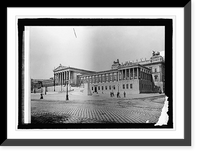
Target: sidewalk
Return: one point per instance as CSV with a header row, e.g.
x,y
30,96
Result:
x,y
81,96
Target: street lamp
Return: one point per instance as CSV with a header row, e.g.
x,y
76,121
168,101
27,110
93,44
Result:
x,y
54,81
67,97
41,95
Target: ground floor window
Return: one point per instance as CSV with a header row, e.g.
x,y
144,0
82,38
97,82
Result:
x,y
126,86
123,86
131,86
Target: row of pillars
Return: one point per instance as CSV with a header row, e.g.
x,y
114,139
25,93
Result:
x,y
129,73
121,75
62,76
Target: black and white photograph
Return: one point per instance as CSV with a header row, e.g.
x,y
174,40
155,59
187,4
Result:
x,y
97,76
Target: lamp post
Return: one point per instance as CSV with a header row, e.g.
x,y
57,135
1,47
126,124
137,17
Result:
x,y
67,97
54,81
41,95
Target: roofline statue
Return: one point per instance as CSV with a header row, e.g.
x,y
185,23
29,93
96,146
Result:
x,y
154,53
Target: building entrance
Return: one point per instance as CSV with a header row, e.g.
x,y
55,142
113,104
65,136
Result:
x,y
95,89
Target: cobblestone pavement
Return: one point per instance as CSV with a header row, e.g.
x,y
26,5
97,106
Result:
x,y
97,111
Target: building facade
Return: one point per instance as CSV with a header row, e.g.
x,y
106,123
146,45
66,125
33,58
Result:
x,y
70,74
157,65
131,79
145,76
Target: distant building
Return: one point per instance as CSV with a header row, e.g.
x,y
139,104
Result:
x,y
36,84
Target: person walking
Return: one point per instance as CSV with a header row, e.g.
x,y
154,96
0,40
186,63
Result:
x,y
124,94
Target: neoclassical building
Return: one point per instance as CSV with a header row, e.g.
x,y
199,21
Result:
x,y
63,73
145,76
131,79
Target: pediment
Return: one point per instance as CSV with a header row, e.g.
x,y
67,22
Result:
x,y
59,68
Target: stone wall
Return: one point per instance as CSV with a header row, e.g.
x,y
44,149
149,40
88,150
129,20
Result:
x,y
127,86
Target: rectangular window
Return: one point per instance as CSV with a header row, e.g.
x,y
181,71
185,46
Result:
x,y
131,86
98,87
102,87
114,87
110,87
106,87
123,86
126,86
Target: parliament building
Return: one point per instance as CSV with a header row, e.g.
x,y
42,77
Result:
x,y
144,76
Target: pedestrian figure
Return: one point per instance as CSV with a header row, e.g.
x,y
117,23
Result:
x,y
124,94
41,94
118,95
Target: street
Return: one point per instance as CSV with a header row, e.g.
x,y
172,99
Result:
x,y
95,109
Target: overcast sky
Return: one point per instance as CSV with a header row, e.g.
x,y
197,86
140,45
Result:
x,y
91,48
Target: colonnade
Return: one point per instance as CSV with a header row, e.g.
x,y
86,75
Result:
x,y
122,74
129,73
62,77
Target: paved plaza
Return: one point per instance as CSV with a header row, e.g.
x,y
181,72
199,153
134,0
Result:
x,y
53,108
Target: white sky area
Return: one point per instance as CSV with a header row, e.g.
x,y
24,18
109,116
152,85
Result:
x,y
95,48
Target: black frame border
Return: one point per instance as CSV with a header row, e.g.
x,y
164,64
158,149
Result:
x,y
127,142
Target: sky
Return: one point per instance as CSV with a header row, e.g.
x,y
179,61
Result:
x,y
90,47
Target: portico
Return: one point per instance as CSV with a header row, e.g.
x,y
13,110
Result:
x,y
63,73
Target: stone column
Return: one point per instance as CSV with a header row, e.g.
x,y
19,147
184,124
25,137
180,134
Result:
x,y
125,74
132,73
58,78
138,73
62,78
69,75
66,75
